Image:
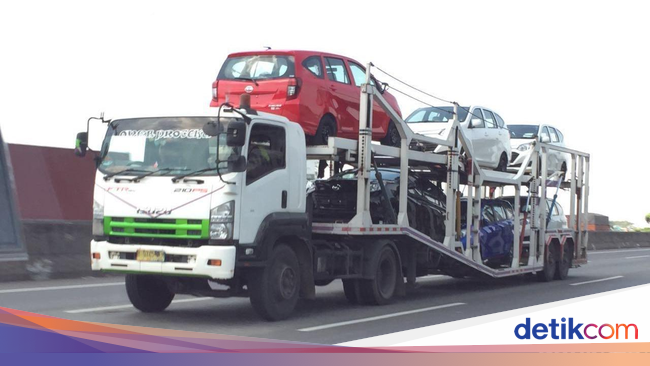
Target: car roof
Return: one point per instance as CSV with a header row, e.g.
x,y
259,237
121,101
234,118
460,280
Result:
x,y
300,53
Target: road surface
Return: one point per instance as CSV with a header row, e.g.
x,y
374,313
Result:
x,y
330,319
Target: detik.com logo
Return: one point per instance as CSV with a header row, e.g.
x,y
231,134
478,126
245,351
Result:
x,y
564,330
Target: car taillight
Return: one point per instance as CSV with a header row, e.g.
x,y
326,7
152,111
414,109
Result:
x,y
214,91
293,88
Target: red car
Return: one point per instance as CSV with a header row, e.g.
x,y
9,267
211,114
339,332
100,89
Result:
x,y
316,89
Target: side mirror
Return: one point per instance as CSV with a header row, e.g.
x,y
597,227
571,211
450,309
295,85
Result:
x,y
544,138
474,123
237,163
236,136
211,129
81,144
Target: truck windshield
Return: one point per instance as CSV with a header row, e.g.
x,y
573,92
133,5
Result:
x,y
257,67
167,145
523,131
436,114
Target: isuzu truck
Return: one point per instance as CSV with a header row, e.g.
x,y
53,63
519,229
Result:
x,y
217,206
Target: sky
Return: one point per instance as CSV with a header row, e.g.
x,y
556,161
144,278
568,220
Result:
x,y
583,67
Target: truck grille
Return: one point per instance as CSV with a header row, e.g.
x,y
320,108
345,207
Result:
x,y
156,228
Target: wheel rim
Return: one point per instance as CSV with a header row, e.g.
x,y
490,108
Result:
x,y
287,283
386,277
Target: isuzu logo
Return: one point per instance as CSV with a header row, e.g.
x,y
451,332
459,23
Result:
x,y
336,187
154,211
248,89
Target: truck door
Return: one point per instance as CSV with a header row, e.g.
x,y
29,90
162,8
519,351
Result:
x,y
267,177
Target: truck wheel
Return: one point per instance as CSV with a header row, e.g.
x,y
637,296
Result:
x,y
381,288
148,294
566,263
550,265
274,289
351,290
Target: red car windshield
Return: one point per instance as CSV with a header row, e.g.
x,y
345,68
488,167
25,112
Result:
x,y
257,67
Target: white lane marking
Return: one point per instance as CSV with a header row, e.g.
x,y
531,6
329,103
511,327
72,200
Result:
x,y
52,288
618,251
380,317
117,307
594,281
638,256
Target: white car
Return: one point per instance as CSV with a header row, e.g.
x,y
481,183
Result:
x,y
486,130
521,139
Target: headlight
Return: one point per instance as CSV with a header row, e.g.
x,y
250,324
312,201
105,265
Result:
x,y
98,219
221,221
374,186
220,231
524,147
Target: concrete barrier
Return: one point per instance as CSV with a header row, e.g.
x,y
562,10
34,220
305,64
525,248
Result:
x,y
601,240
56,249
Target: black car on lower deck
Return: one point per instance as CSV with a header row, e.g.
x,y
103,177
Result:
x,y
334,200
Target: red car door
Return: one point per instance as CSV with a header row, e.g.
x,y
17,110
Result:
x,y
344,97
379,117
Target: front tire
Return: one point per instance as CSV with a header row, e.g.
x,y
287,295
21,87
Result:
x,y
274,289
148,294
503,163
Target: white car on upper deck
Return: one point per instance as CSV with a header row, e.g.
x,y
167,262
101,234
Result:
x,y
486,130
522,137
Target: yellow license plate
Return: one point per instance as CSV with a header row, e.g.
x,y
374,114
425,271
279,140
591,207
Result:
x,y
150,256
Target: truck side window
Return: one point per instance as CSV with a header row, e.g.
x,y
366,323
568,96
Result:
x,y
266,151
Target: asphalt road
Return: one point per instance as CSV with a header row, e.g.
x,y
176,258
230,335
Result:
x,y
330,319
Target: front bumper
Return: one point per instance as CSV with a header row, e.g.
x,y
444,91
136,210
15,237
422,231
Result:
x,y
518,158
199,268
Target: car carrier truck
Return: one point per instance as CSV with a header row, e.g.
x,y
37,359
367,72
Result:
x,y
217,206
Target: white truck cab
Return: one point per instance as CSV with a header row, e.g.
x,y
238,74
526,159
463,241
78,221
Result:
x,y
169,199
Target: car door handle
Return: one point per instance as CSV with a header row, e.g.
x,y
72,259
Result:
x,y
332,88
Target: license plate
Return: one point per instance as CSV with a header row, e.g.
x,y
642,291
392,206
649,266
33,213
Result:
x,y
150,256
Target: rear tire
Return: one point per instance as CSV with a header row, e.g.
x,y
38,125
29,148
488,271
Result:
x,y
148,294
380,289
566,263
326,129
274,289
550,265
392,136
